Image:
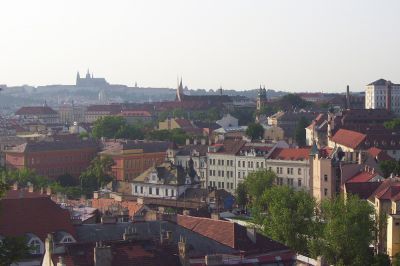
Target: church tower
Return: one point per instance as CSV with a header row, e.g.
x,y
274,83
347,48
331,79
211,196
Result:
x,y
78,78
261,99
179,92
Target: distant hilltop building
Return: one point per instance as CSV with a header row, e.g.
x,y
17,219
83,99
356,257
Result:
x,y
90,81
209,100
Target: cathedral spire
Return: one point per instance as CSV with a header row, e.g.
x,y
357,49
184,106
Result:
x,y
179,91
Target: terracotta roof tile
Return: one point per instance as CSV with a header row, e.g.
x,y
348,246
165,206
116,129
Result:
x,y
35,110
290,154
349,138
24,212
362,177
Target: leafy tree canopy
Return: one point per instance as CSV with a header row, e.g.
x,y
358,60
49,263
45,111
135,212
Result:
x,y
115,127
300,133
255,131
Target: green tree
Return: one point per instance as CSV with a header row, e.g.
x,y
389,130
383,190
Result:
x,y
255,131
287,216
256,183
347,231
97,175
66,180
300,133
396,260
381,260
389,167
115,127
393,124
241,195
13,249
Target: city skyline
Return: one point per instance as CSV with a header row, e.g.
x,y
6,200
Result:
x,y
286,45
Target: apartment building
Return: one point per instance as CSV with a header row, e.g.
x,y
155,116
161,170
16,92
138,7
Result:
x,y
292,166
222,164
383,94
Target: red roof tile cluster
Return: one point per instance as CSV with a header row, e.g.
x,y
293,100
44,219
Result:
x,y
362,177
35,110
379,154
349,138
24,212
290,154
103,204
230,234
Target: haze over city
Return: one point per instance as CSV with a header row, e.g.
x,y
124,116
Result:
x,y
286,45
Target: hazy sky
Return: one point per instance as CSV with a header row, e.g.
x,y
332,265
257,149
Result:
x,y
307,45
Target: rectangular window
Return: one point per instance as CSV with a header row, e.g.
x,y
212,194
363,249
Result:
x,y
238,174
243,164
257,164
172,192
222,173
141,190
299,182
325,192
166,192
299,171
222,184
219,184
222,162
150,190
326,178
157,191
136,190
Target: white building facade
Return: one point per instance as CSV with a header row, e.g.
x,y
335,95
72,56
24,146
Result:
x,y
383,94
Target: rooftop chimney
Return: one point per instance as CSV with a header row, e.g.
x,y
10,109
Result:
x,y
252,234
102,255
30,187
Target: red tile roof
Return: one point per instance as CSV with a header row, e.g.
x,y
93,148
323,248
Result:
x,y
35,110
183,123
349,138
230,234
363,190
379,154
362,177
103,204
23,212
290,154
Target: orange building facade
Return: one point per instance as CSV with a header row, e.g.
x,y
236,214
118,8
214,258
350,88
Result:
x,y
131,158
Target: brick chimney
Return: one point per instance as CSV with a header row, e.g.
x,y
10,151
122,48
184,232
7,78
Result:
x,y
102,255
252,234
30,187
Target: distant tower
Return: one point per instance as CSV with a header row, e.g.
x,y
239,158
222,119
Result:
x,y
179,92
78,78
88,74
220,91
261,99
348,97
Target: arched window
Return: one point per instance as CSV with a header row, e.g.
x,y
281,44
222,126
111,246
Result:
x,y
35,244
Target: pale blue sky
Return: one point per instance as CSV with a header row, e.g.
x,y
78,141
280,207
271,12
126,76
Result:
x,y
307,45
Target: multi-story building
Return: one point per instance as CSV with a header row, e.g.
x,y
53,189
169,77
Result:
x,y
166,181
221,159
132,158
43,114
251,157
196,152
70,113
53,158
94,112
383,94
292,167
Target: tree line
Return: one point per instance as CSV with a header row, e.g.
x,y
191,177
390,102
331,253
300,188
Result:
x,y
339,229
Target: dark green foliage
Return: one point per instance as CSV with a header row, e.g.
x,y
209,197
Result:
x,y
347,231
393,124
67,180
13,249
389,167
115,127
300,133
287,216
97,175
241,195
255,131
177,135
23,177
396,260
256,183
381,260
292,101
269,110
244,115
